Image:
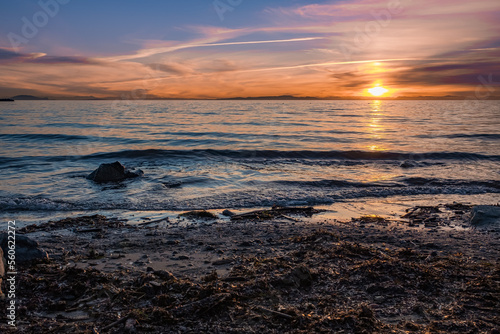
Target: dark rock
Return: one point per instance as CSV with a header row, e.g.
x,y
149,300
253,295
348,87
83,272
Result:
x,y
408,164
245,244
203,214
485,215
113,172
172,184
366,312
165,275
227,213
26,249
129,174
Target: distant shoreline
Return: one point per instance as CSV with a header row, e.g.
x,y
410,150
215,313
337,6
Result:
x,y
265,99
251,98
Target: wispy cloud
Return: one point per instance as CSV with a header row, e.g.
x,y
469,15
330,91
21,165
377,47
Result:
x,y
160,50
8,56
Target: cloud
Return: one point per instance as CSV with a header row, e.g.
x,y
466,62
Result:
x,y
8,56
172,68
63,60
181,46
219,65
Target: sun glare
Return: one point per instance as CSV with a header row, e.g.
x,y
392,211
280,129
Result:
x,y
377,91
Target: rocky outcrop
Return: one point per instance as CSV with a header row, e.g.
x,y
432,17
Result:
x,y
483,215
26,249
113,172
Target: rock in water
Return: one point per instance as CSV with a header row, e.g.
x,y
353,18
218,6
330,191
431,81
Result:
x,y
113,172
26,248
485,215
408,164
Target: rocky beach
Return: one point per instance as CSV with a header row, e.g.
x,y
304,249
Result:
x,y
432,270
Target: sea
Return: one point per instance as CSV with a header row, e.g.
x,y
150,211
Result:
x,y
243,154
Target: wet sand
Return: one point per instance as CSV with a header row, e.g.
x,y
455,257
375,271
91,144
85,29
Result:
x,y
427,272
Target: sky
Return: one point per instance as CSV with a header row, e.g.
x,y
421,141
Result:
x,y
132,49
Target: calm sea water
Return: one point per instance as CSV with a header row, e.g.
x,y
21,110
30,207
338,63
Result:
x,y
235,154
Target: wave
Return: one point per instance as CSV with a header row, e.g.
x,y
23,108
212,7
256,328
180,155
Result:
x,y
42,136
492,136
304,154
237,199
397,183
262,154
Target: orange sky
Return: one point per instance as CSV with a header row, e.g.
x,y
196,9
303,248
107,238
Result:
x,y
327,49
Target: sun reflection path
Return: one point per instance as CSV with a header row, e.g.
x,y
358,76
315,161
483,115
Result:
x,y
375,129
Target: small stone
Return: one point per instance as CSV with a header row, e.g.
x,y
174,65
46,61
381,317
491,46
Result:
x,y
366,312
222,262
130,325
228,213
27,249
485,215
411,326
165,275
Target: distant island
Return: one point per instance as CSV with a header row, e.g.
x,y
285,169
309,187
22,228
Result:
x,y
280,97
6,100
28,97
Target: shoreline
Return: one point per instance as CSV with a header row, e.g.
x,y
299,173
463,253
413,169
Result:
x,y
286,274
392,206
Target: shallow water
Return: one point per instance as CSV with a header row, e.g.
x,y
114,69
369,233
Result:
x,y
240,154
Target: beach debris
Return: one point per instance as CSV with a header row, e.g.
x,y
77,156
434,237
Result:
x,y
113,172
299,276
80,224
418,211
483,215
277,212
26,249
275,313
200,214
312,278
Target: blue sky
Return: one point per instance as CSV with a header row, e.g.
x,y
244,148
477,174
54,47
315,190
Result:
x,y
96,27
182,49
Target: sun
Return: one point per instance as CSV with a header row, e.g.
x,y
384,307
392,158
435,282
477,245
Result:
x,y
378,91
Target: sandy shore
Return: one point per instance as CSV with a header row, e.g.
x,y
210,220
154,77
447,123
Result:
x,y
269,273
